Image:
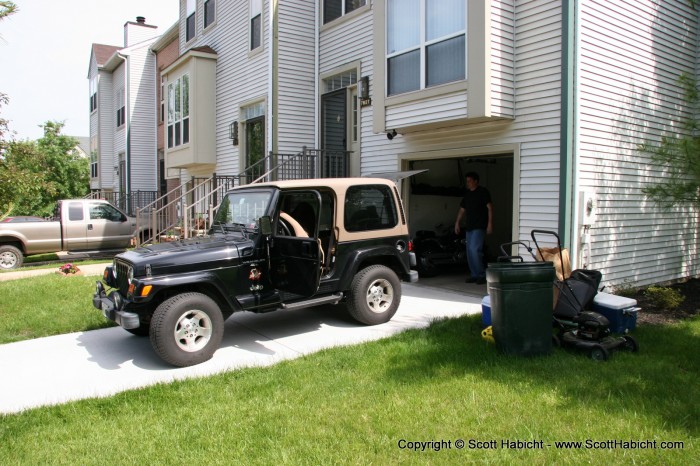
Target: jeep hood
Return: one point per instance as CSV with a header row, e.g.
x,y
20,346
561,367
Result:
x,y
190,254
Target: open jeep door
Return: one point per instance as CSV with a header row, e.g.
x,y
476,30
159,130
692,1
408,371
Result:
x,y
295,254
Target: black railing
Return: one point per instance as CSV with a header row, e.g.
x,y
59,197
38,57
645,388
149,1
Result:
x,y
130,203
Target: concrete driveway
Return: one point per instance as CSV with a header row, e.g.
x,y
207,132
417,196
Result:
x,y
100,363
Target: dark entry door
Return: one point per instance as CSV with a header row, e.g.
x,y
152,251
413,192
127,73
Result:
x,y
255,148
334,133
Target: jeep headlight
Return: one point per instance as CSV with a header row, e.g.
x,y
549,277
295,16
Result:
x,y
130,274
114,268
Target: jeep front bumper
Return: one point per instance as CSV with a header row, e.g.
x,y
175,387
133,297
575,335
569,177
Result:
x,y
112,307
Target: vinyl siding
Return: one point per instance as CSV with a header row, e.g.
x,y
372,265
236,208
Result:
x,y
105,128
631,55
296,77
502,58
142,119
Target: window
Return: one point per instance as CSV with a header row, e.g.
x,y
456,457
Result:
x,y
93,93
190,25
105,212
255,24
426,44
179,111
121,108
75,211
369,207
162,99
93,157
334,9
209,12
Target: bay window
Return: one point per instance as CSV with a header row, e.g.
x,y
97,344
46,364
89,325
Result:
x,y
179,111
426,44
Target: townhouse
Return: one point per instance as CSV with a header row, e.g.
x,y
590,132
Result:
x,y
546,99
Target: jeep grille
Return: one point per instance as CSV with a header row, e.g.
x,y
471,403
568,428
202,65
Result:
x,y
122,276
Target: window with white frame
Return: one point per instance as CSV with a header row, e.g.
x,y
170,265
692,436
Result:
x,y
93,157
209,12
190,24
162,99
426,43
121,107
334,9
255,24
179,111
93,93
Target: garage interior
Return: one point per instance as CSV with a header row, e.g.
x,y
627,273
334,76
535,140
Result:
x,y
433,199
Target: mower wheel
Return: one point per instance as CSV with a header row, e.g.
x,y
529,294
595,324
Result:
x,y
599,353
630,344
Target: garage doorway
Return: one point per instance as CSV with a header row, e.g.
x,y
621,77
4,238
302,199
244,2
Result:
x,y
434,197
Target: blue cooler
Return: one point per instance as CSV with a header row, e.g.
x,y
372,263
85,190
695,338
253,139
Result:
x,y
620,311
486,311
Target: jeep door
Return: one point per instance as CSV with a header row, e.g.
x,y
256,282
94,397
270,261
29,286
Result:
x,y
295,254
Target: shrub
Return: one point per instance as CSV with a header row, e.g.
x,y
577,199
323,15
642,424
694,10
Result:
x,y
664,297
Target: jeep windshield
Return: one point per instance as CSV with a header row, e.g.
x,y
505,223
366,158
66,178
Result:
x,y
240,211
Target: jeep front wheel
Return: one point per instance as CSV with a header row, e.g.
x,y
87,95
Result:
x,y
375,295
187,329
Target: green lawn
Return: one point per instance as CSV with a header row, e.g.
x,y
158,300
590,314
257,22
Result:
x,y
363,404
47,305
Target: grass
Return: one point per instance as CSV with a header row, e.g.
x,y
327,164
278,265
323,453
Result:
x,y
47,305
28,265
355,405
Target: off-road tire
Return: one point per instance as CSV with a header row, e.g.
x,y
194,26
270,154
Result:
x,y
186,329
10,257
375,294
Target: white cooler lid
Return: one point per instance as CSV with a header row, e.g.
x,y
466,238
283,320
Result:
x,y
612,301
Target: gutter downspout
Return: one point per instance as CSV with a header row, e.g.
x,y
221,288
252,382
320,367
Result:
x,y
272,82
568,117
317,97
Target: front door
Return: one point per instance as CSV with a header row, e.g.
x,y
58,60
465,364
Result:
x,y
295,253
255,148
334,133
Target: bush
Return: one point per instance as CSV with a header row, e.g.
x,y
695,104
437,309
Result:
x,y
664,297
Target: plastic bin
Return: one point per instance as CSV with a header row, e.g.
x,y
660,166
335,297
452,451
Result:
x,y
620,311
486,311
521,306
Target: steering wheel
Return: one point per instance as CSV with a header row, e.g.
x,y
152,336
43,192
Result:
x,y
284,228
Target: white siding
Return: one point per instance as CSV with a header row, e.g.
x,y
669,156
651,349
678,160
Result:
x,y
119,133
502,58
105,127
141,120
296,77
631,55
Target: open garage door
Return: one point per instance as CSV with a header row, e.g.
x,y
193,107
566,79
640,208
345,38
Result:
x,y
434,196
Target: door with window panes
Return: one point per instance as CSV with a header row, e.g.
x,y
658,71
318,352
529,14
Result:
x,y
255,148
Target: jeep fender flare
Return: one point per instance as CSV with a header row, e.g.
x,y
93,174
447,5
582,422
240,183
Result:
x,y
384,255
200,281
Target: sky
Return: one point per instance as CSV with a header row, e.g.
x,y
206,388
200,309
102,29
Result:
x,y
45,54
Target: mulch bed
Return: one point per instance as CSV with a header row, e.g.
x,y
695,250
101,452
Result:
x,y
651,314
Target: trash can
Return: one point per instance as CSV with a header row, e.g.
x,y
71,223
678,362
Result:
x,y
521,306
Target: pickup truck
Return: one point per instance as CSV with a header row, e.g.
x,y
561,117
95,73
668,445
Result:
x,y
78,225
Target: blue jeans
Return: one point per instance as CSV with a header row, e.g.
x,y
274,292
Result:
x,y
475,252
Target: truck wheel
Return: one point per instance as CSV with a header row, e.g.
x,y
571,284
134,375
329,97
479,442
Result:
x,y
187,329
375,295
10,257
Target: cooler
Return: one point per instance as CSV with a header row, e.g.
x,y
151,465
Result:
x,y
486,311
620,311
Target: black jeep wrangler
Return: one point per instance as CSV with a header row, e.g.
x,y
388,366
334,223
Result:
x,y
279,245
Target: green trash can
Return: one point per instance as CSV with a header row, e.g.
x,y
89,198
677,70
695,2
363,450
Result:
x,y
521,306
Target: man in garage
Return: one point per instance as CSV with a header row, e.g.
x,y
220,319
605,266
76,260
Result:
x,y
477,210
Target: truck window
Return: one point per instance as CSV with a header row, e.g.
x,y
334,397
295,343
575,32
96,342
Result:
x,y
369,207
105,212
75,211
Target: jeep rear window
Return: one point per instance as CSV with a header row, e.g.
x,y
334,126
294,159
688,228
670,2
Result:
x,y
369,207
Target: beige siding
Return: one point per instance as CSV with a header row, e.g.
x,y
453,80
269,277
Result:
x,y
631,55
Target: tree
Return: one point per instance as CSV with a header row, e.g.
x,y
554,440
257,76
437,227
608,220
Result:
x,y
678,156
35,174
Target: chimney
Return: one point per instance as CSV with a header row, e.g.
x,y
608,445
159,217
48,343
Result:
x,y
135,32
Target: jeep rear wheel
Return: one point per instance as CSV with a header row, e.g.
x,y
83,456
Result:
x,y
187,329
375,295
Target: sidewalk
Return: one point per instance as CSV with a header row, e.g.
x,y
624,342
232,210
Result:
x,y
91,269
101,363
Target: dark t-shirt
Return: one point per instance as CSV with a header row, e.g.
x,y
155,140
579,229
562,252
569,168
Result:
x,y
475,211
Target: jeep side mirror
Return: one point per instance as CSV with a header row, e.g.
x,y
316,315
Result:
x,y
265,225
